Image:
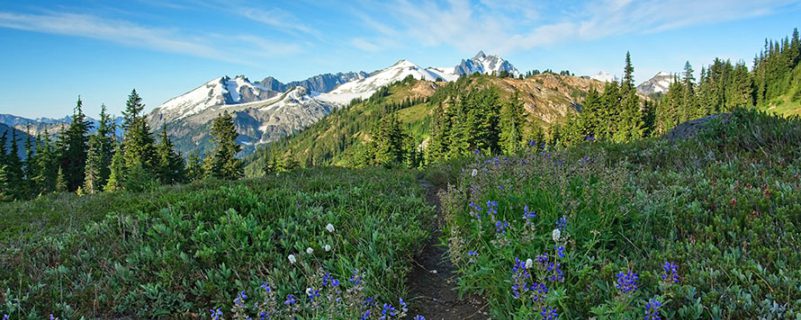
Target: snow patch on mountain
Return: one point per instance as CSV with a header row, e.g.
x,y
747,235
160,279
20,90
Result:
x,y
485,64
364,88
604,76
659,83
217,92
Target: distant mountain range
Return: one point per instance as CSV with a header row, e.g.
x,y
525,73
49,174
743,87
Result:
x,y
267,110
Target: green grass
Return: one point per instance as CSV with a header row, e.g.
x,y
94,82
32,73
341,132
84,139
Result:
x,y
724,207
179,251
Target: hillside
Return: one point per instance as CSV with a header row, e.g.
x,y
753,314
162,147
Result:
x,y
338,138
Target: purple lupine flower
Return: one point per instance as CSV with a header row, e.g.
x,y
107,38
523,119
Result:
x,y
241,298
671,272
290,300
540,290
627,282
388,311
326,279
476,209
404,308
492,207
264,315
355,279
365,315
216,314
561,223
549,313
369,302
472,253
501,226
334,283
560,251
589,138
266,287
555,271
312,293
6,317
541,259
419,317
532,144
528,215
652,309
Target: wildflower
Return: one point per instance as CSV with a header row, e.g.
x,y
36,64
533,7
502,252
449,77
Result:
x,y
355,279
404,308
290,300
532,144
266,287
369,302
309,251
589,138
492,207
549,313
671,272
327,248
388,311
264,315
541,259
6,317
292,259
540,290
241,298
335,283
528,215
51,317
500,226
529,263
555,271
627,282
560,251
475,209
312,293
330,228
365,315
216,314
472,253
326,279
419,317
561,223
474,173
556,234
652,310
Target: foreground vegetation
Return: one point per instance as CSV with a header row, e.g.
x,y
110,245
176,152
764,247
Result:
x,y
179,251
700,228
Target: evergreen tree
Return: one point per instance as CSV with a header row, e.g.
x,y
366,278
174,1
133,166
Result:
x,y
387,142
511,125
138,144
116,178
101,149
14,173
171,166
194,167
61,181
46,166
688,100
30,165
627,83
5,187
222,162
73,145
440,132
91,181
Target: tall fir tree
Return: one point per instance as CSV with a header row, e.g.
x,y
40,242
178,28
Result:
x,y
138,144
46,165
5,187
222,162
627,83
30,164
194,166
116,178
171,166
14,171
101,149
73,146
512,123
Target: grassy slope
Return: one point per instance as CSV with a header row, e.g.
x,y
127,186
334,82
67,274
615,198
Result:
x,y
548,98
789,104
723,207
178,251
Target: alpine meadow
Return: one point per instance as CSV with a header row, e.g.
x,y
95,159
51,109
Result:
x,y
587,184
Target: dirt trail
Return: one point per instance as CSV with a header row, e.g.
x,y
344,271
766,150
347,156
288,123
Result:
x,y
432,282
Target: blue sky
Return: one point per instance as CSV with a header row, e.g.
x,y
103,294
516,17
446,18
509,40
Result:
x,y
53,51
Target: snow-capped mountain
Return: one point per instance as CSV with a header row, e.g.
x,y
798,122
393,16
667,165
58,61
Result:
x,y
657,84
213,94
315,85
51,125
365,87
485,64
604,76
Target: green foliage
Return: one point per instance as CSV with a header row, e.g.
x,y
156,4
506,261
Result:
x,y
721,206
138,144
72,148
222,162
171,165
177,251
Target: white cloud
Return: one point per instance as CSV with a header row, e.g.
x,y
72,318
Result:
x,y
275,18
158,39
514,25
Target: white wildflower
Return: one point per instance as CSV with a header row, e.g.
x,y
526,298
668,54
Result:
x,y
475,172
308,291
327,248
330,228
556,234
309,250
529,263
292,259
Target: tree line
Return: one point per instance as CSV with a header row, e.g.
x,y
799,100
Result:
x,y
78,161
